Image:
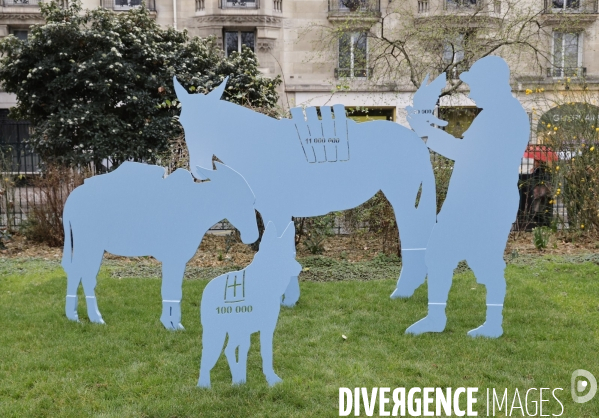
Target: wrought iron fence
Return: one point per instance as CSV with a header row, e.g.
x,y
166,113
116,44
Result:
x,y
539,205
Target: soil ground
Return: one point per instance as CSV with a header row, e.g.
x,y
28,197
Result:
x,y
352,248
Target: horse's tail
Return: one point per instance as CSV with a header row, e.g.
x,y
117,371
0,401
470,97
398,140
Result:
x,y
68,249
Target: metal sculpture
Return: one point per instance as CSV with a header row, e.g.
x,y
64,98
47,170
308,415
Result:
x,y
135,211
306,166
482,198
240,303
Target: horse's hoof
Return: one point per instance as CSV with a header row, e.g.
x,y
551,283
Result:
x,y
397,293
74,318
273,380
292,293
97,320
427,324
203,384
487,331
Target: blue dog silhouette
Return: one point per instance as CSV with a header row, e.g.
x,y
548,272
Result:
x,y
240,303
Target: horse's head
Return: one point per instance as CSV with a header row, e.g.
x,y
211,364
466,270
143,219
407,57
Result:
x,y
236,198
200,117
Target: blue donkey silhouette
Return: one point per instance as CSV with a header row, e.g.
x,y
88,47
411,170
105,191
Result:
x,y
135,211
308,166
240,303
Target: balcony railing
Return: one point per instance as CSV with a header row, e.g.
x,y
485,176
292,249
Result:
x,y
128,4
349,6
559,72
353,73
10,3
278,5
239,4
423,6
570,6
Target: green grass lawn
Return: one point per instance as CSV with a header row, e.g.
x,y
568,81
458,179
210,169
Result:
x,y
132,367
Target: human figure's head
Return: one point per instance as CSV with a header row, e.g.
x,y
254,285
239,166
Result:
x,y
487,78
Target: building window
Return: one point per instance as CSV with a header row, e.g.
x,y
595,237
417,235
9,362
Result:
x,y
567,54
566,4
353,55
126,4
21,34
453,55
234,40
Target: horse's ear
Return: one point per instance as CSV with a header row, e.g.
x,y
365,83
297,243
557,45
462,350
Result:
x,y
270,233
217,93
180,90
204,173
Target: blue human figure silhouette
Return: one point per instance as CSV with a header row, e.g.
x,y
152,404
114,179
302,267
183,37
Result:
x,y
240,303
482,198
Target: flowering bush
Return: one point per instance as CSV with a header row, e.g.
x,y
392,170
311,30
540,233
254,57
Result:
x,y
91,82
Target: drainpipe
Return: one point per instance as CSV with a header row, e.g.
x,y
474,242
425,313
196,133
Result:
x,y
175,14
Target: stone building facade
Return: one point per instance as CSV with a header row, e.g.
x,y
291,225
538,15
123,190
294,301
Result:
x,y
283,35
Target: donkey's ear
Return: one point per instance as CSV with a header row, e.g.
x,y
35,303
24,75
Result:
x,y
204,173
180,90
217,93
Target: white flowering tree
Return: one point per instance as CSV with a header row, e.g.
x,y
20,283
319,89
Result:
x,y
94,84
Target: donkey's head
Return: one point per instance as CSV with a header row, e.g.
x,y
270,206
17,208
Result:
x,y
200,116
235,199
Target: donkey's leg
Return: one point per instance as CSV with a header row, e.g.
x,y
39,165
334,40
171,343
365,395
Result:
x,y
89,266
213,339
292,293
266,335
414,204
172,290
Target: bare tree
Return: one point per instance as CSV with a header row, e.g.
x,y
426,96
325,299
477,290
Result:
x,y
411,39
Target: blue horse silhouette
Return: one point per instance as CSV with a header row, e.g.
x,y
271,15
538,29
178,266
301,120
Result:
x,y
308,167
135,211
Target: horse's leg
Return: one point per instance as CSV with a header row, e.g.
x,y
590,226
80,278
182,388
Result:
x,y
172,284
292,293
213,339
490,272
89,266
73,280
415,224
266,335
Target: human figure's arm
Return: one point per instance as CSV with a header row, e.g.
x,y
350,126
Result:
x,y
437,140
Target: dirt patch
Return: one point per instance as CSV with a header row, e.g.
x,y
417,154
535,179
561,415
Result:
x,y
217,251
